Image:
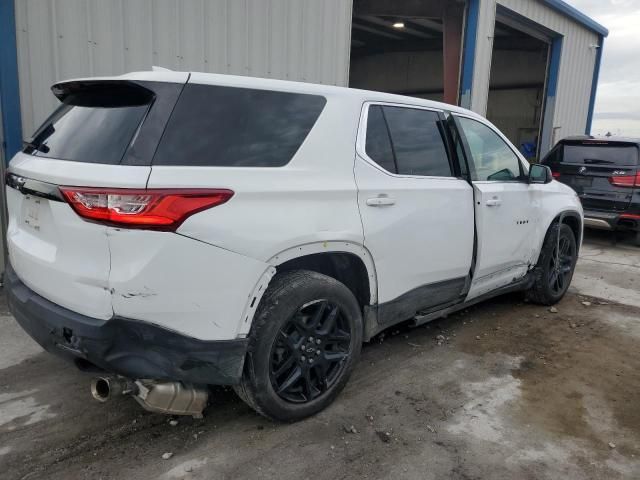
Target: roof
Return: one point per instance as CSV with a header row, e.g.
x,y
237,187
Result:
x,y
577,15
164,75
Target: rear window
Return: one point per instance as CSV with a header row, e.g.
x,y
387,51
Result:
x,y
92,126
237,127
601,154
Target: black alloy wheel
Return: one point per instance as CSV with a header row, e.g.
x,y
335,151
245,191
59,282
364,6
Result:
x,y
309,352
561,263
554,270
304,343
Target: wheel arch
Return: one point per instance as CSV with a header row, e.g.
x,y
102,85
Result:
x,y
572,218
348,262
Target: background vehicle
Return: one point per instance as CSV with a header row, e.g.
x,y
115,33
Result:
x,y
605,172
196,229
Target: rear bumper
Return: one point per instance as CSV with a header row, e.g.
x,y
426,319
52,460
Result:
x,y
612,221
123,346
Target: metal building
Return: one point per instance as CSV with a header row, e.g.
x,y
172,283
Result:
x,y
530,66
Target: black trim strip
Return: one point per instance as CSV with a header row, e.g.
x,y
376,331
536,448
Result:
x,y
29,186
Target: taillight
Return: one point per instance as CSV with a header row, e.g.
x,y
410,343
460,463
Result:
x,y
556,174
628,181
159,209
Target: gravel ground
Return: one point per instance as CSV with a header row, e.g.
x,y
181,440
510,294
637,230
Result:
x,y
504,390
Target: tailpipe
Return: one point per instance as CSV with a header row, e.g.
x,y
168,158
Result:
x,y
172,398
106,388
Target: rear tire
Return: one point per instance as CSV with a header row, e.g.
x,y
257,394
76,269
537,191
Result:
x,y
304,343
552,274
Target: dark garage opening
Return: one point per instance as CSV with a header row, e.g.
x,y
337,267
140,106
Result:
x,y
517,86
407,47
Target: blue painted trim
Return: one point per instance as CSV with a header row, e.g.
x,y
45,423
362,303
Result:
x,y
469,52
9,88
577,15
555,57
554,66
594,85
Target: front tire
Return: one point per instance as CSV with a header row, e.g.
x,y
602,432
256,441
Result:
x,y
304,343
555,267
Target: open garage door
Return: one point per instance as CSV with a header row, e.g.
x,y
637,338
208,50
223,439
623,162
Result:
x,y
407,47
518,83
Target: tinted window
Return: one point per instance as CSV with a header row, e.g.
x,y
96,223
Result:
x,y
407,141
237,127
417,142
378,143
491,156
93,126
601,155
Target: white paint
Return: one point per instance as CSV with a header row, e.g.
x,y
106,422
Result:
x,y
179,283
199,281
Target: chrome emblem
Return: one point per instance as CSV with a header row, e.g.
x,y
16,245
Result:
x,y
582,170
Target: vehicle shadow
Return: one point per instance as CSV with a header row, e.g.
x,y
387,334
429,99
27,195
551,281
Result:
x,y
609,238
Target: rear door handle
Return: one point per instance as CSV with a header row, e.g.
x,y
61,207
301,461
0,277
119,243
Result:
x,y
380,201
494,202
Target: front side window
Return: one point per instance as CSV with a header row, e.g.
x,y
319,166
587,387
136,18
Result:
x,y
492,158
407,141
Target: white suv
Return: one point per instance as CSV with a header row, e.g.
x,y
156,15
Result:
x,y
179,230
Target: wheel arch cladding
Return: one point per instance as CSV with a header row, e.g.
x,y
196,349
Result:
x,y
575,223
344,267
569,217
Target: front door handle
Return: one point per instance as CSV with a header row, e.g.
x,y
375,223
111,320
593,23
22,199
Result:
x,y
380,201
494,202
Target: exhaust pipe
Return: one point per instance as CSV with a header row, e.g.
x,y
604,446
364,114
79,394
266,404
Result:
x,y
105,388
173,398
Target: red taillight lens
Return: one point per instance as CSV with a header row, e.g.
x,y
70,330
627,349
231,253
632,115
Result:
x,y
628,181
164,209
556,174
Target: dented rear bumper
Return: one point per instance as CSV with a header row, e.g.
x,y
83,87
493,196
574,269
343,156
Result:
x,y
123,346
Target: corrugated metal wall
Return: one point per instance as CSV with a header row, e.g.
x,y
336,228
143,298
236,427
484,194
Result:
x,y
304,40
576,65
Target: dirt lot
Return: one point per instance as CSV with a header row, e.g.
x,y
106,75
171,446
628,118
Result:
x,y
513,391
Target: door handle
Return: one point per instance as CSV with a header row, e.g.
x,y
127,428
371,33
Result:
x,y
380,201
494,202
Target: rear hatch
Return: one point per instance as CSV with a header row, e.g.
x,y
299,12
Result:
x,y
103,134
601,172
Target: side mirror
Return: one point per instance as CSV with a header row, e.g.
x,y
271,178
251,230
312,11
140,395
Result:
x,y
540,174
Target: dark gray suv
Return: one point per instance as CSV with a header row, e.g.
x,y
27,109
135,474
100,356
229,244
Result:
x,y
605,173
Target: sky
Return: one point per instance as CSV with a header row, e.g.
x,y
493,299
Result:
x,y
618,100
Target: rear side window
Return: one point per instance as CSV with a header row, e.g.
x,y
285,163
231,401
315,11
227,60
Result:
x,y
407,141
614,155
92,126
378,142
237,127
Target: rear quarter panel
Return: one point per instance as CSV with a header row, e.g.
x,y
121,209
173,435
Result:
x,y
311,199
